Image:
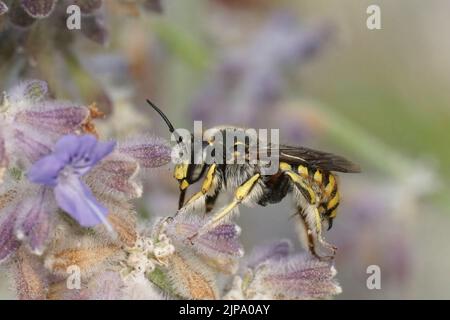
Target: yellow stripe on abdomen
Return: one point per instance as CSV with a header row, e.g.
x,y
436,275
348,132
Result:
x,y
318,177
303,171
331,186
334,202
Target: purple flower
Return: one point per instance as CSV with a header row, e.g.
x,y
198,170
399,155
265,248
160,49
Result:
x,y
275,272
223,240
8,243
62,170
297,276
38,8
30,277
149,152
30,123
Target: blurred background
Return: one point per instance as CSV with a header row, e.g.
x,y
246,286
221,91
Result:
x,y
311,68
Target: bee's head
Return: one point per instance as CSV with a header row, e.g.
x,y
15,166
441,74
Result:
x,y
185,171
233,141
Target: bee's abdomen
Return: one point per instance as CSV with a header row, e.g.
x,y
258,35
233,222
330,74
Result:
x,y
325,184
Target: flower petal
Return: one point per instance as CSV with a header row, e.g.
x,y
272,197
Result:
x,y
82,152
33,223
8,241
30,148
92,151
296,277
219,248
76,151
123,220
46,170
149,152
38,8
115,176
53,117
66,147
191,278
102,149
31,278
89,254
74,197
3,8
86,144
221,240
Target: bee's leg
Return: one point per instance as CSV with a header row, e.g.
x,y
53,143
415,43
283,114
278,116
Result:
x,y
180,174
298,181
242,192
181,198
210,185
313,226
309,235
309,214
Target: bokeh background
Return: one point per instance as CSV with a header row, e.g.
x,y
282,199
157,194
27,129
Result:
x,y
310,68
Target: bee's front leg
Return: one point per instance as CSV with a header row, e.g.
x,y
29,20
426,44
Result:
x,y
242,193
181,198
210,189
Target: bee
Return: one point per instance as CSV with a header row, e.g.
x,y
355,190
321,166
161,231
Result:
x,y
308,175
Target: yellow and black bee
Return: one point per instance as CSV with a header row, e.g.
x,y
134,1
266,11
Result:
x,y
305,173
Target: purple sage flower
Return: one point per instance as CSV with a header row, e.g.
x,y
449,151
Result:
x,y
273,271
30,123
62,170
220,248
38,8
223,240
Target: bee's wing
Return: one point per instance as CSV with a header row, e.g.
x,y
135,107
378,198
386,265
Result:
x,y
314,158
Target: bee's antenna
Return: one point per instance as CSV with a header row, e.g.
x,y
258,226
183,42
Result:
x,y
166,120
